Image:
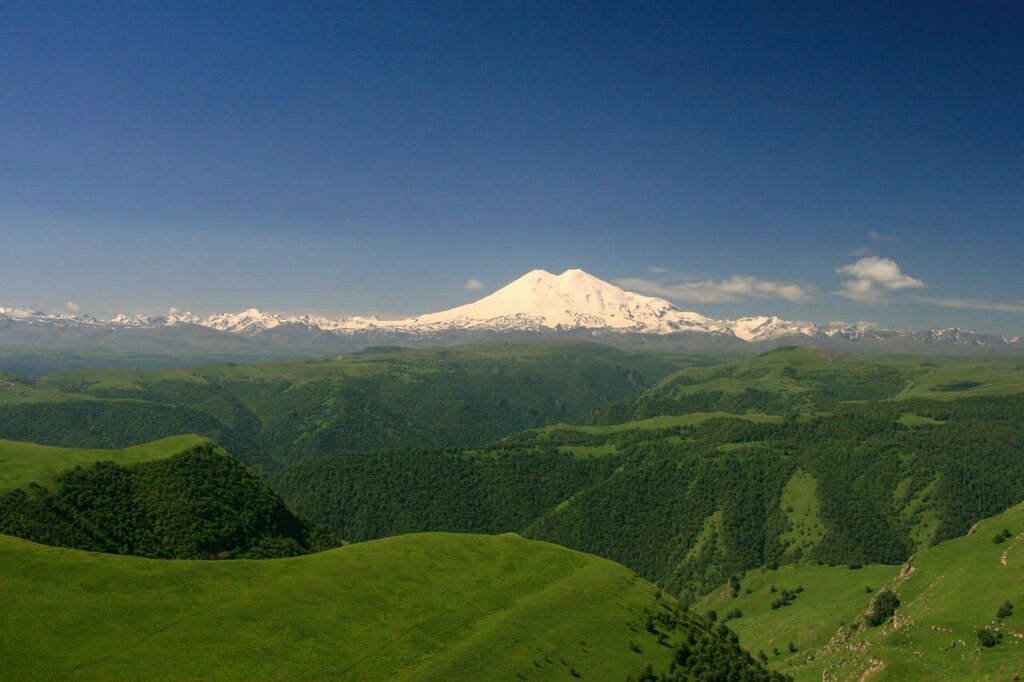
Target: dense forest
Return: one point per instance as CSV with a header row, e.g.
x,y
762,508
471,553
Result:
x,y
200,504
689,506
366,496
284,413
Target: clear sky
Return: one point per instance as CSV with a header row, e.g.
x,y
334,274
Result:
x,y
823,161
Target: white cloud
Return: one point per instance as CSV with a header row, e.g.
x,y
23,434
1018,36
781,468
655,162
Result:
x,y
861,252
974,304
72,307
876,236
473,284
172,311
870,279
721,291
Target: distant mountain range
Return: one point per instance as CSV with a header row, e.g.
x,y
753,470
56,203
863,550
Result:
x,y
539,304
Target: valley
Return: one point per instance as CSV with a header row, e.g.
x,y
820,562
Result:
x,y
774,490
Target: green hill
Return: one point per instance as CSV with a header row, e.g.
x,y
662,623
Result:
x,y
23,463
802,380
948,594
417,607
287,412
199,504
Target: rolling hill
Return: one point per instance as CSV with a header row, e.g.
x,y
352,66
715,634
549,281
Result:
x,y
415,607
24,463
797,380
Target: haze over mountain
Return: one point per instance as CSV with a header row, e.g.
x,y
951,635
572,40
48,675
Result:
x,y
573,303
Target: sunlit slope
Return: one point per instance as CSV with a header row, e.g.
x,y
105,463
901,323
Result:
x,y
821,600
24,463
948,592
426,606
968,378
952,590
809,379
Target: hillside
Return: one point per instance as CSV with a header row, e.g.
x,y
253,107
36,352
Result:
x,y
415,607
798,380
199,504
948,594
24,463
688,501
288,412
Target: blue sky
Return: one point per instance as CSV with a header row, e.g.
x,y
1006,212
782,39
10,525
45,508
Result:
x,y
739,158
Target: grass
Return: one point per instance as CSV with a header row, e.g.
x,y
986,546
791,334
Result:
x,y
14,392
424,606
914,420
953,591
24,463
805,379
661,422
800,504
831,596
968,378
585,451
948,592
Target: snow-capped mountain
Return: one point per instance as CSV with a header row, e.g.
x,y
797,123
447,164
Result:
x,y
538,303
574,299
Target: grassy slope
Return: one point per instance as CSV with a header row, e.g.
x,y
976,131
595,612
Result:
x,y
662,422
807,379
24,463
968,378
832,596
953,590
773,371
652,424
427,606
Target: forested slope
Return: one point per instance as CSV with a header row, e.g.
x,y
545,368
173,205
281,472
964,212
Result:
x,y
289,412
689,505
199,504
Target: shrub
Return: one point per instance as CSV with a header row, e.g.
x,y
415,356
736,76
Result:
x,y
986,639
883,606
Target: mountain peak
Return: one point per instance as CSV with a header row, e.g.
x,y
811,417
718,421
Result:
x,y
574,299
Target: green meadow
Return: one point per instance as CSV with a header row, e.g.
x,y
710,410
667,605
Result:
x,y
948,593
425,606
23,463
